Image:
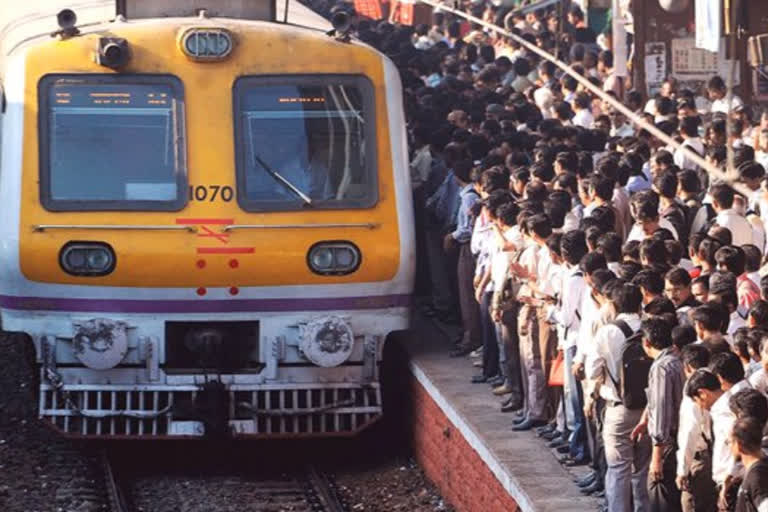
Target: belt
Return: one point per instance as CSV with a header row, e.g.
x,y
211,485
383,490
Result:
x,y
611,403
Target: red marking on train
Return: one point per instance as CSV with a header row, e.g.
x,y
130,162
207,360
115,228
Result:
x,y
209,233
195,222
201,291
200,263
234,290
234,263
225,250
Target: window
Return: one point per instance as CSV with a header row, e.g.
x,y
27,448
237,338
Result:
x,y
305,142
111,142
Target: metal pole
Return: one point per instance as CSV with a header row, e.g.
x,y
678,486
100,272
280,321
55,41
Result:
x,y
634,118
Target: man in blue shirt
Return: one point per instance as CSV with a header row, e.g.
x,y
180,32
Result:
x,y
465,270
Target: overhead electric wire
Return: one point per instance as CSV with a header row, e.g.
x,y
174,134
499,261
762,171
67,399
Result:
x,y
633,117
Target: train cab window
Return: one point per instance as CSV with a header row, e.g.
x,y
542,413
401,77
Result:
x,y
110,142
305,142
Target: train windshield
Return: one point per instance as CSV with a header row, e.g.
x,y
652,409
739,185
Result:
x,y
305,143
112,143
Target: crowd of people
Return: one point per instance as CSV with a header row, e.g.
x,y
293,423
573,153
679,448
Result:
x,y
610,290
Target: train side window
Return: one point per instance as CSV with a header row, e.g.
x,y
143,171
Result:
x,y
305,142
112,142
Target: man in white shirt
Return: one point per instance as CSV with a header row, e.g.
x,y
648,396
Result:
x,y
728,217
694,460
713,396
628,460
573,247
582,106
689,131
718,93
647,219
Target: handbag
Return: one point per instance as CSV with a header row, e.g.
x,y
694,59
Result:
x,y
556,375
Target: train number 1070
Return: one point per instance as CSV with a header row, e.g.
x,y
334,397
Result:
x,y
211,193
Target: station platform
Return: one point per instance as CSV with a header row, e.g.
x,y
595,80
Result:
x,y
465,444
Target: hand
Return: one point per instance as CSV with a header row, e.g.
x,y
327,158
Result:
x,y
479,294
682,483
655,471
448,242
640,431
577,368
496,315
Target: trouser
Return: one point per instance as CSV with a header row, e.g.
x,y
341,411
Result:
x,y
574,407
534,380
663,494
442,271
491,342
509,350
627,475
547,353
470,309
699,494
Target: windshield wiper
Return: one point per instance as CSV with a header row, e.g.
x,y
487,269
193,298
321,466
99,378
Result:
x,y
280,179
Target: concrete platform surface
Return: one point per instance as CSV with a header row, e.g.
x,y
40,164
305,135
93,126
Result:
x,y
524,466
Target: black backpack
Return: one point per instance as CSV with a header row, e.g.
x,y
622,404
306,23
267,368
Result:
x,y
635,367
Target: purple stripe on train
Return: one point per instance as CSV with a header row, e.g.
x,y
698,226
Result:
x,y
203,306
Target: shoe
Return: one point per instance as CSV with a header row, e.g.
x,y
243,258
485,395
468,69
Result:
x,y
551,435
596,486
477,364
586,481
496,381
511,405
519,420
460,351
565,448
477,353
528,425
576,461
479,379
449,318
599,494
558,441
504,389
549,427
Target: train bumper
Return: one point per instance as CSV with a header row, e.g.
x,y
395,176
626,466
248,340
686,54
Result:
x,y
258,411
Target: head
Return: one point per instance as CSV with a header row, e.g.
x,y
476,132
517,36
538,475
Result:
x,y
700,288
694,357
728,369
657,336
703,388
677,286
746,438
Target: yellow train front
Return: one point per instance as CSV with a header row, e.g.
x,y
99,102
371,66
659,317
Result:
x,y
206,222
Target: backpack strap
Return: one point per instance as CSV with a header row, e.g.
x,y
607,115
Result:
x,y
625,328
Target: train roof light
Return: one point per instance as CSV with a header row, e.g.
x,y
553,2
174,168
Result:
x,y
206,44
113,52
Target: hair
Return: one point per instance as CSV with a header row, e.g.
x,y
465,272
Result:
x,y
657,333
759,312
690,126
674,251
601,280
631,250
708,316
689,181
650,281
627,298
539,225
750,403
732,258
748,433
666,184
654,250
507,213
721,234
707,249
701,379
678,277
610,245
573,246
764,287
723,194
752,257
740,344
592,261
727,366
694,355
628,270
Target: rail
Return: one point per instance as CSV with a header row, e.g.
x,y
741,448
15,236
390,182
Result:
x,y
634,118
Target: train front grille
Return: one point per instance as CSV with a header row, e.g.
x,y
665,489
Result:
x,y
266,410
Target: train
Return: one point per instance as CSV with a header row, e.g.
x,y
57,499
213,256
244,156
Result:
x,y
207,221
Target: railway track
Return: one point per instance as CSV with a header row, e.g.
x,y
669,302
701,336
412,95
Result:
x,y
305,490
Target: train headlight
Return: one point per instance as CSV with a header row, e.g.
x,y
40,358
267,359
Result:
x,y
334,258
327,341
100,344
87,259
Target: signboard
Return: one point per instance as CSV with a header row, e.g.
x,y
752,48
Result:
x,y
689,60
655,66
